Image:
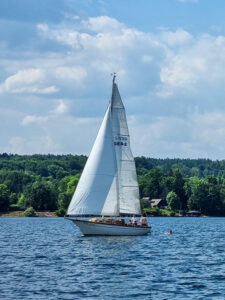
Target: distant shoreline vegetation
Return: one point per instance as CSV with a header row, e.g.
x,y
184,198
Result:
x,y
47,183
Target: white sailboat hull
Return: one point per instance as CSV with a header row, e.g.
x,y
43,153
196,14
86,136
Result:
x,y
91,228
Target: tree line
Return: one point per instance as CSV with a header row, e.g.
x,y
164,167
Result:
x,y
47,182
206,195
44,182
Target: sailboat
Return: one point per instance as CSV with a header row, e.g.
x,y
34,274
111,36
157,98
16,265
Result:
x,y
108,187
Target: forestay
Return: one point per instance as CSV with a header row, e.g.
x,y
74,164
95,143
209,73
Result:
x,y
98,184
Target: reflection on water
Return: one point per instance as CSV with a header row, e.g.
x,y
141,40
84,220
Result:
x,y
50,259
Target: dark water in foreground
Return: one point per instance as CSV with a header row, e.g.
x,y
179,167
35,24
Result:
x,y
49,259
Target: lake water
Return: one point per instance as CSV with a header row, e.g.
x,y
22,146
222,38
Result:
x,y
48,258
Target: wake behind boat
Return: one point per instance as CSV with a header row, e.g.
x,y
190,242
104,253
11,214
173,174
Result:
x,y
108,185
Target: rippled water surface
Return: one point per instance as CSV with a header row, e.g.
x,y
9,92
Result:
x,y
48,258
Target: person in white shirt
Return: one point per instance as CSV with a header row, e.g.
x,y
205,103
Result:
x,y
134,220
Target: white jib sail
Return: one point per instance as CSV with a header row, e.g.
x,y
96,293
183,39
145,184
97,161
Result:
x,y
129,202
97,190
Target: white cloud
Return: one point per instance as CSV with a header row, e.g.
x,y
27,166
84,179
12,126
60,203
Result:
x,y
61,108
103,24
64,36
179,37
75,74
147,58
173,80
183,1
63,133
200,64
31,145
34,119
27,81
196,135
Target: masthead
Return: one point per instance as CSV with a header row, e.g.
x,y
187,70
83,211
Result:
x,y
114,76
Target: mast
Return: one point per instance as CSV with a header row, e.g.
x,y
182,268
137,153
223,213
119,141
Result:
x,y
108,184
114,77
113,83
116,164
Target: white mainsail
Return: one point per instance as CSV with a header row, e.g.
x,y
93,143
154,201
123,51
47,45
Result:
x,y
129,202
108,184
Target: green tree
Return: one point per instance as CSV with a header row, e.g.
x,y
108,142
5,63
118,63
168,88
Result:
x,y
72,184
178,188
22,201
63,203
197,192
4,197
173,201
15,180
194,171
13,198
56,171
151,184
205,195
64,198
222,196
29,212
41,195
214,203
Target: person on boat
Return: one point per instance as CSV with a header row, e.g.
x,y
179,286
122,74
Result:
x,y
134,220
143,221
170,232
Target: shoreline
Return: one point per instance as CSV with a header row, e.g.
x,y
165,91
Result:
x,y
20,214
52,214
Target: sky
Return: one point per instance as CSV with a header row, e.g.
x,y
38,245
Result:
x,y
56,60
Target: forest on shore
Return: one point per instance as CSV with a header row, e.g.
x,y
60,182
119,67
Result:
x,y
47,182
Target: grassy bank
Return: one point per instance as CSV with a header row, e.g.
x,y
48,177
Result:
x,y
157,212
21,214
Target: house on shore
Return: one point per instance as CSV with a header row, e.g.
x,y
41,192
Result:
x,y
193,213
160,203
